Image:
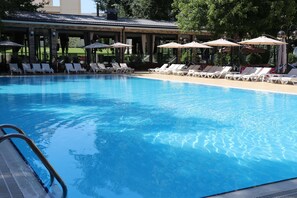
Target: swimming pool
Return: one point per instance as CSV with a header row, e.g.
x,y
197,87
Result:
x,y
118,136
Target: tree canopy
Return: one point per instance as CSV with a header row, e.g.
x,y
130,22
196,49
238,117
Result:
x,y
236,18
10,6
148,9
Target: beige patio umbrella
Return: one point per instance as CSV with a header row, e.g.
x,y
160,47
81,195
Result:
x,y
221,43
171,45
194,44
262,40
120,45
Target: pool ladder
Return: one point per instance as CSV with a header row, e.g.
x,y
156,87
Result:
x,y
21,135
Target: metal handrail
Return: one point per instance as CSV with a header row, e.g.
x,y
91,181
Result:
x,y
21,135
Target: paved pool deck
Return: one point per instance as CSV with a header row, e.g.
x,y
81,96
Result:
x,y
261,86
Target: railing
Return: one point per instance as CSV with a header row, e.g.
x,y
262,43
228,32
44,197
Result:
x,y
21,135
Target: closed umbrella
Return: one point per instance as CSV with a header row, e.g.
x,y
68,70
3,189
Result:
x,y
282,58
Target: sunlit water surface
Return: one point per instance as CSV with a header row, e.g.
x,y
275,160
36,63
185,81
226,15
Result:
x,y
122,137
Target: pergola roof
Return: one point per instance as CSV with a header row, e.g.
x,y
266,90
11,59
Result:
x,y
89,20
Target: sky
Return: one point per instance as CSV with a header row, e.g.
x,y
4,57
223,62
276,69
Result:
x,y
87,6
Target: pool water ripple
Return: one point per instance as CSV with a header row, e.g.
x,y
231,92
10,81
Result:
x,y
116,136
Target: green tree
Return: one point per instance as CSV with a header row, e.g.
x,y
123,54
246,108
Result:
x,y
236,18
11,6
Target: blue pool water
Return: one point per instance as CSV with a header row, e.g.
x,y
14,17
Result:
x,y
123,137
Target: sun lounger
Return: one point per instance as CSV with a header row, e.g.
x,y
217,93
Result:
x,y
292,80
246,71
222,73
217,69
206,69
157,69
126,68
261,75
94,68
282,78
27,68
184,70
69,68
196,68
178,68
78,68
210,71
170,69
13,68
105,69
255,71
46,68
37,68
116,67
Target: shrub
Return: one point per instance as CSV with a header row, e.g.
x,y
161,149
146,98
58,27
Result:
x,y
292,58
253,59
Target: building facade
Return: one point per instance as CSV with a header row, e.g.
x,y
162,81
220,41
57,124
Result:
x,y
52,37
65,7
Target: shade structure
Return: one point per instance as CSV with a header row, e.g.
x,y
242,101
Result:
x,y
96,45
262,40
171,45
194,44
221,42
120,45
7,44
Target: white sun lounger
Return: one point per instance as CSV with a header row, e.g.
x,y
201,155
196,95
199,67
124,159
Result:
x,y
37,68
246,71
157,69
222,73
196,68
46,68
78,68
282,78
211,70
126,68
27,68
217,69
206,69
261,75
254,72
69,68
13,68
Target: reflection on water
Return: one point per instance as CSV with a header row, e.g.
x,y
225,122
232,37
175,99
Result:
x,y
127,137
